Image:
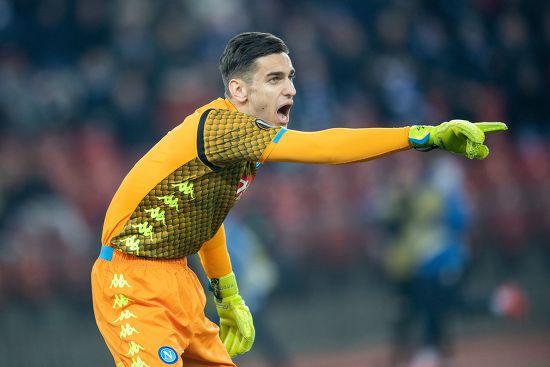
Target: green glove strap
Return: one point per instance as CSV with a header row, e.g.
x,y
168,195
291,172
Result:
x,y
457,136
420,137
236,325
225,286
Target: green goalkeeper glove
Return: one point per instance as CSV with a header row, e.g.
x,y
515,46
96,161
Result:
x,y
458,136
236,326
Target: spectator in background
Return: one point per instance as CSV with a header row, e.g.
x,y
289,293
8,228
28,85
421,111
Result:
x,y
427,221
45,243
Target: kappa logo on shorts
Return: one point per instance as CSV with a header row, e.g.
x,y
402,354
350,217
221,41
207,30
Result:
x,y
168,355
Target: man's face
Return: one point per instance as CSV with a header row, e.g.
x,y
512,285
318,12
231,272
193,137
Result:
x,y
270,92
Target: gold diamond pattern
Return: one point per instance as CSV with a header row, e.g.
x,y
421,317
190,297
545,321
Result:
x,y
233,142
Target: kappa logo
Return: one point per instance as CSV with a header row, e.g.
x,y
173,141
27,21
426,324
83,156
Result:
x,y
168,355
120,301
119,281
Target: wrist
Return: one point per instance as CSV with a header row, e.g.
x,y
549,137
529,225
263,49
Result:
x,y
224,287
420,137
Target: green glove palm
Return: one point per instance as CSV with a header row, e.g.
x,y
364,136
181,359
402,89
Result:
x,y
458,136
236,326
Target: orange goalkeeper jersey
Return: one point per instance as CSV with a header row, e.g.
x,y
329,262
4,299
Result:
x,y
176,197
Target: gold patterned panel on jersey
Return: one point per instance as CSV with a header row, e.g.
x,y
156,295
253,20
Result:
x,y
186,208
182,212
230,137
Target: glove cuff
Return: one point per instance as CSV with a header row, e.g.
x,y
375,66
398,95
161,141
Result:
x,y
420,138
223,287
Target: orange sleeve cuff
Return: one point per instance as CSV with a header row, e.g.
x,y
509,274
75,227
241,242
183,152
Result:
x,y
338,146
215,257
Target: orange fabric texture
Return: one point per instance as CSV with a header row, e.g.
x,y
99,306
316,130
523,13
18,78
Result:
x,y
215,257
338,146
145,308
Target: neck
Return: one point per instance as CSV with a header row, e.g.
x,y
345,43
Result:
x,y
241,107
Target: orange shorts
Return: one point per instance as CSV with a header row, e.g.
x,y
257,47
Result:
x,y
151,313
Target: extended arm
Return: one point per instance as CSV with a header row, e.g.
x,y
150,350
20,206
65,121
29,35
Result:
x,y
339,146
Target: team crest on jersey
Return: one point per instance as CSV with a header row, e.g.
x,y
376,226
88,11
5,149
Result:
x,y
168,355
244,182
263,125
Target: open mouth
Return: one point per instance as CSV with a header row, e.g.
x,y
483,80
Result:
x,y
283,113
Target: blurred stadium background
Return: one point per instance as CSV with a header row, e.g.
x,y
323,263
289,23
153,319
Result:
x,y
86,86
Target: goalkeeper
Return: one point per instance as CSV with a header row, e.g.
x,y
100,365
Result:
x,y
149,306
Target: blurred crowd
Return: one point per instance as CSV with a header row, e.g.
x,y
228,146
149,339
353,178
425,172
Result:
x,y
86,86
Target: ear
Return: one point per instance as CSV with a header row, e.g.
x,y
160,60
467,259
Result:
x,y
238,90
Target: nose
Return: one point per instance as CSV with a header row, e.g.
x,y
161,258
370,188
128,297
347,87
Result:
x,y
289,89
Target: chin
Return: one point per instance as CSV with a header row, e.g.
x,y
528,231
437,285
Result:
x,y
276,123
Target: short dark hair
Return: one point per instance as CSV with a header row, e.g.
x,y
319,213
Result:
x,y
242,50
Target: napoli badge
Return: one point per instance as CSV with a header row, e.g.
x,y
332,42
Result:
x,y
168,355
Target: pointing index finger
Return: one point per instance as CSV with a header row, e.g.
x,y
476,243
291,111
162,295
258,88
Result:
x,y
489,127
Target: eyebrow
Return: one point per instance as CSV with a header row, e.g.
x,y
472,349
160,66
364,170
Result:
x,y
281,74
